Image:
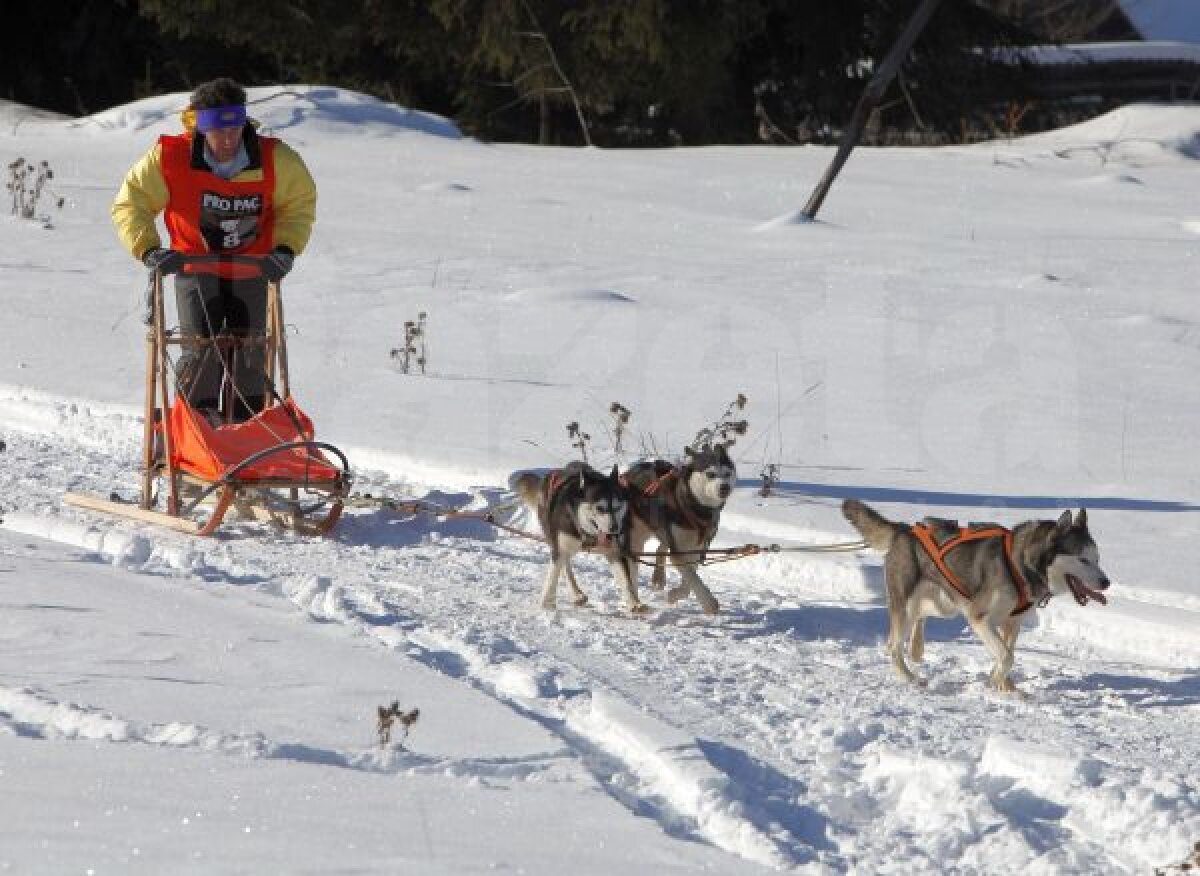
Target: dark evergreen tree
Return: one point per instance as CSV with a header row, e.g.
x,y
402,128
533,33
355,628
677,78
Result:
x,y
640,72
72,56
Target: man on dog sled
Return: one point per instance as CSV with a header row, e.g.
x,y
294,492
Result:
x,y
222,189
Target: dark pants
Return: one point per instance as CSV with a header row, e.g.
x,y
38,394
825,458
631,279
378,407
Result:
x,y
210,306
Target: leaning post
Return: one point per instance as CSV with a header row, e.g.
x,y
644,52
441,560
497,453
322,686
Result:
x,y
870,97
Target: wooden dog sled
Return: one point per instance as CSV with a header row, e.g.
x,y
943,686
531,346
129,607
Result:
x,y
268,467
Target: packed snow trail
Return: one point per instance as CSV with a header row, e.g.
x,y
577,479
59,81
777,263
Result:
x,y
775,731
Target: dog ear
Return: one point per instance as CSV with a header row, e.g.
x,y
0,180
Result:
x,y
583,473
615,474
1081,519
1064,522
689,452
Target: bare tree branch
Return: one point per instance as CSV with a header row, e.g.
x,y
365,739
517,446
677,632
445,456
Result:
x,y
1058,21
539,34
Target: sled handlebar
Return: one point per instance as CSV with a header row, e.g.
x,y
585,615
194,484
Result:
x,y
216,259
203,259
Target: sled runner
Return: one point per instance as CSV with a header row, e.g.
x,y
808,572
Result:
x,y
267,467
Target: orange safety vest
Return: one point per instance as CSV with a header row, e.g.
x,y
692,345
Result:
x,y
937,553
206,214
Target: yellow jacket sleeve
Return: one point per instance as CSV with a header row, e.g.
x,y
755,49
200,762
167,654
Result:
x,y
142,197
295,201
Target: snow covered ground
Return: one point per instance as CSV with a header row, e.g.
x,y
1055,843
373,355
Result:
x,y
996,332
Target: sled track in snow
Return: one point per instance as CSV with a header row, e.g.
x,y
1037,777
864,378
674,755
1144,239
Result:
x,y
775,731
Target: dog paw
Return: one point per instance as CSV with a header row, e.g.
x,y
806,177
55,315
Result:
x,y
1006,686
712,607
676,593
580,601
549,606
639,608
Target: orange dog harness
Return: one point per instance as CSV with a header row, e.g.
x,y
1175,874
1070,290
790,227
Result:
x,y
938,553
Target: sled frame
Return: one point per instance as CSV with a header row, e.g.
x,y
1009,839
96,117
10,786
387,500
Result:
x,y
270,499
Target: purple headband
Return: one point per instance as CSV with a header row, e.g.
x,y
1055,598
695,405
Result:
x,y
220,117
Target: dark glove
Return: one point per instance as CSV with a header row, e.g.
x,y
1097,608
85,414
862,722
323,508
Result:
x,y
276,266
165,261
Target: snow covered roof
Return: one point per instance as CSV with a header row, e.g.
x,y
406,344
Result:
x,y
1075,53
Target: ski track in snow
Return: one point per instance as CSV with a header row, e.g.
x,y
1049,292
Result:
x,y
27,712
775,731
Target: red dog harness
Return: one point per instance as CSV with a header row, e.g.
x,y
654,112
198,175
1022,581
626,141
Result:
x,y
659,485
938,553
551,486
655,485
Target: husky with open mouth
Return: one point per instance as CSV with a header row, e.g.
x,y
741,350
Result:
x,y
988,574
581,509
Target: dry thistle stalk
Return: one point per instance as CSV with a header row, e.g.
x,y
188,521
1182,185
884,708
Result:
x,y
26,181
389,715
414,345
579,439
621,417
726,429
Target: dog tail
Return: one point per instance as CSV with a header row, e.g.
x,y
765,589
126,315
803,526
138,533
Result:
x,y
876,529
528,487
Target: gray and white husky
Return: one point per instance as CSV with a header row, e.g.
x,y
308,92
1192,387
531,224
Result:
x,y
680,507
581,509
1000,576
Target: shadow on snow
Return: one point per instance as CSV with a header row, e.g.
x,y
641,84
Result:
x,y
905,496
